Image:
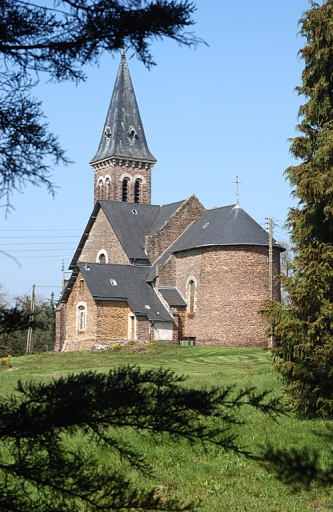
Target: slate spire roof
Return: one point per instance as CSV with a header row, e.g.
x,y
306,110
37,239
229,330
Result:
x,y
123,134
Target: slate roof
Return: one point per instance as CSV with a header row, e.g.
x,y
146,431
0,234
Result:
x,y
123,134
129,227
131,287
172,296
229,225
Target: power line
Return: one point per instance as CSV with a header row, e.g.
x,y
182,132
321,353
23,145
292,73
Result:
x,y
37,243
43,237
40,256
38,250
37,230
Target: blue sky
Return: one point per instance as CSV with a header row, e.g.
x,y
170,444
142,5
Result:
x,y
209,114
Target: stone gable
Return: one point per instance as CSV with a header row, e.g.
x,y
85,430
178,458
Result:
x,y
100,237
190,211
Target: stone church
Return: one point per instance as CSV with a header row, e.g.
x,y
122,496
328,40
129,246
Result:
x,y
174,272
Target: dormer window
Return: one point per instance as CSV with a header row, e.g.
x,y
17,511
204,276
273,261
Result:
x,y
113,282
107,132
132,133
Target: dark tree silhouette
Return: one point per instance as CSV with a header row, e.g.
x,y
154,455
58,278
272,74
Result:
x,y
42,469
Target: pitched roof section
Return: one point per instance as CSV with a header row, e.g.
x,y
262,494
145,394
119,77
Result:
x,y
229,225
166,211
129,284
172,296
131,223
123,134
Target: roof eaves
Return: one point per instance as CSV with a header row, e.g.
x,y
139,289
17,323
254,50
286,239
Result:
x,y
85,235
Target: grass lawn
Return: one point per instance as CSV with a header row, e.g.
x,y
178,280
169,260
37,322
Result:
x,y
221,481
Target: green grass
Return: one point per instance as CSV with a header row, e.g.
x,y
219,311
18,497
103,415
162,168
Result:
x,y
221,481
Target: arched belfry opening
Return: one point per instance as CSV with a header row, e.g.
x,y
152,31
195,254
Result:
x,y
125,190
137,191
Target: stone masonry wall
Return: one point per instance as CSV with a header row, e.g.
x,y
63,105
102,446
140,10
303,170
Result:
x,y
116,170
179,315
191,210
80,340
142,328
112,320
60,326
102,236
231,284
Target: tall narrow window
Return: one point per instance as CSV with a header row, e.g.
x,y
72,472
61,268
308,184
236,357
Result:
x,y
125,190
191,287
100,188
137,191
81,316
107,188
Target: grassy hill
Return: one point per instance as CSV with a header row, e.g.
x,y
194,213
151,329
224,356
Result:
x,y
222,481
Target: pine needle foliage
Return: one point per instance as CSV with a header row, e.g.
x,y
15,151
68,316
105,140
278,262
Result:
x,y
52,434
304,328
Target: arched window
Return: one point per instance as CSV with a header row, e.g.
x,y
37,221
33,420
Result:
x,y
125,190
102,256
107,187
137,191
191,289
100,185
81,316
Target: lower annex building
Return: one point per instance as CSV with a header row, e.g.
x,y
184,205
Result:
x,y
170,272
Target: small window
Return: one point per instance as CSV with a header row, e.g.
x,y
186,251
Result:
x,y
147,306
205,225
134,212
113,282
81,286
125,190
102,258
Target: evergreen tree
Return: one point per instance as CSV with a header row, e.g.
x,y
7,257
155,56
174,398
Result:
x,y
52,436
304,328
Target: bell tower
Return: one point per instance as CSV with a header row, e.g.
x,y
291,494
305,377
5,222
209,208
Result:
x,y
123,163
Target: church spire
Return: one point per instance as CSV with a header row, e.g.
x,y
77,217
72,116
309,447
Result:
x,y
123,163
123,134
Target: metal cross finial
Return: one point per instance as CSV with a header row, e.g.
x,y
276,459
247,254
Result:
x,y
237,195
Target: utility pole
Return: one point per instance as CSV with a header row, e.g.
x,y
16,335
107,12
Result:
x,y
30,333
270,260
270,271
